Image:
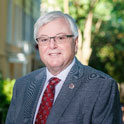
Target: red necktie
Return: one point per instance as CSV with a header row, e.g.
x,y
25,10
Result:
x,y
47,101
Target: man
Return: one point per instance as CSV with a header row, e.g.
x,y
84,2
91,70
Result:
x,y
65,91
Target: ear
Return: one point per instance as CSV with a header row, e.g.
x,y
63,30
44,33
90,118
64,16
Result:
x,y
76,44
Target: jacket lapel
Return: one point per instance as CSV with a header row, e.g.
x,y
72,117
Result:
x,y
32,95
66,94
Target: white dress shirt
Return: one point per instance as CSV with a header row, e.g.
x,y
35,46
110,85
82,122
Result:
x,y
62,76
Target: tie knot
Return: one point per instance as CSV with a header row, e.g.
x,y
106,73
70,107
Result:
x,y
54,80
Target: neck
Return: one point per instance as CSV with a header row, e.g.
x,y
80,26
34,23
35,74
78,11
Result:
x,y
55,71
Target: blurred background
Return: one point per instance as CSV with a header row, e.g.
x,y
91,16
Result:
x,y
101,39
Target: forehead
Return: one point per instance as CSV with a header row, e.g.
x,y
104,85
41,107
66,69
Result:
x,y
59,25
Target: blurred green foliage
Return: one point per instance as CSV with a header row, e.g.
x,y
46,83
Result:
x,y
6,87
108,44
108,40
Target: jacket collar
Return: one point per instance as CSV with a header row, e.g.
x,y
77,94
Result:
x,y
32,95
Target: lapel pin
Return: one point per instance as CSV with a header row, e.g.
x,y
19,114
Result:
x,y
71,85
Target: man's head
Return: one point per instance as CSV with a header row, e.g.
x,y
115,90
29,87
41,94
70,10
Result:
x,y
57,36
48,17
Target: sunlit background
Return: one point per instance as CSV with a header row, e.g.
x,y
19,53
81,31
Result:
x,y
101,39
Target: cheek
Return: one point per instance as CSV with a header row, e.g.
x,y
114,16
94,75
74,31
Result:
x,y
69,50
42,52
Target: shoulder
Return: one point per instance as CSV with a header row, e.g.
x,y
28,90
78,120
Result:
x,y
25,81
32,74
30,77
93,73
93,76
99,78
97,82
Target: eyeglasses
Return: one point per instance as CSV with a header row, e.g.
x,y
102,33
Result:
x,y
59,39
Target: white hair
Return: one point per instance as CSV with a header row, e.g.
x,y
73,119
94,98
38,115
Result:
x,y
46,18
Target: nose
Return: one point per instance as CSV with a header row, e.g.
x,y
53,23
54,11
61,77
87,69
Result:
x,y
52,43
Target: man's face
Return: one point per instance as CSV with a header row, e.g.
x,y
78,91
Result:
x,y
55,56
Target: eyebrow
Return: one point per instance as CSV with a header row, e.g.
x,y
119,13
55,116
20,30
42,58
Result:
x,y
54,35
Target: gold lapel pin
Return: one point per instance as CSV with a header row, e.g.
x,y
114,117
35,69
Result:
x,y
71,85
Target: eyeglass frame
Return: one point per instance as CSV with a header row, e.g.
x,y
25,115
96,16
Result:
x,y
54,38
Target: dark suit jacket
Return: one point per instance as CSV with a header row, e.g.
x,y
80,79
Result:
x,y
93,100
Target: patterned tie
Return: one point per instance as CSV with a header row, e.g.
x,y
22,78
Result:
x,y
47,101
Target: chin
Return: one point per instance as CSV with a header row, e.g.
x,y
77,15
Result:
x,y
55,66
55,62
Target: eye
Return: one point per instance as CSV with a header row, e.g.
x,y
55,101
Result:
x,y
63,37
44,39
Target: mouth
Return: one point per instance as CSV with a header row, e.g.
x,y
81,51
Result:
x,y
54,54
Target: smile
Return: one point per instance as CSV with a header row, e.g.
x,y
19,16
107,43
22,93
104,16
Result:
x,y
54,54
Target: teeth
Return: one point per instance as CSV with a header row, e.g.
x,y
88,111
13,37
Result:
x,y
53,54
